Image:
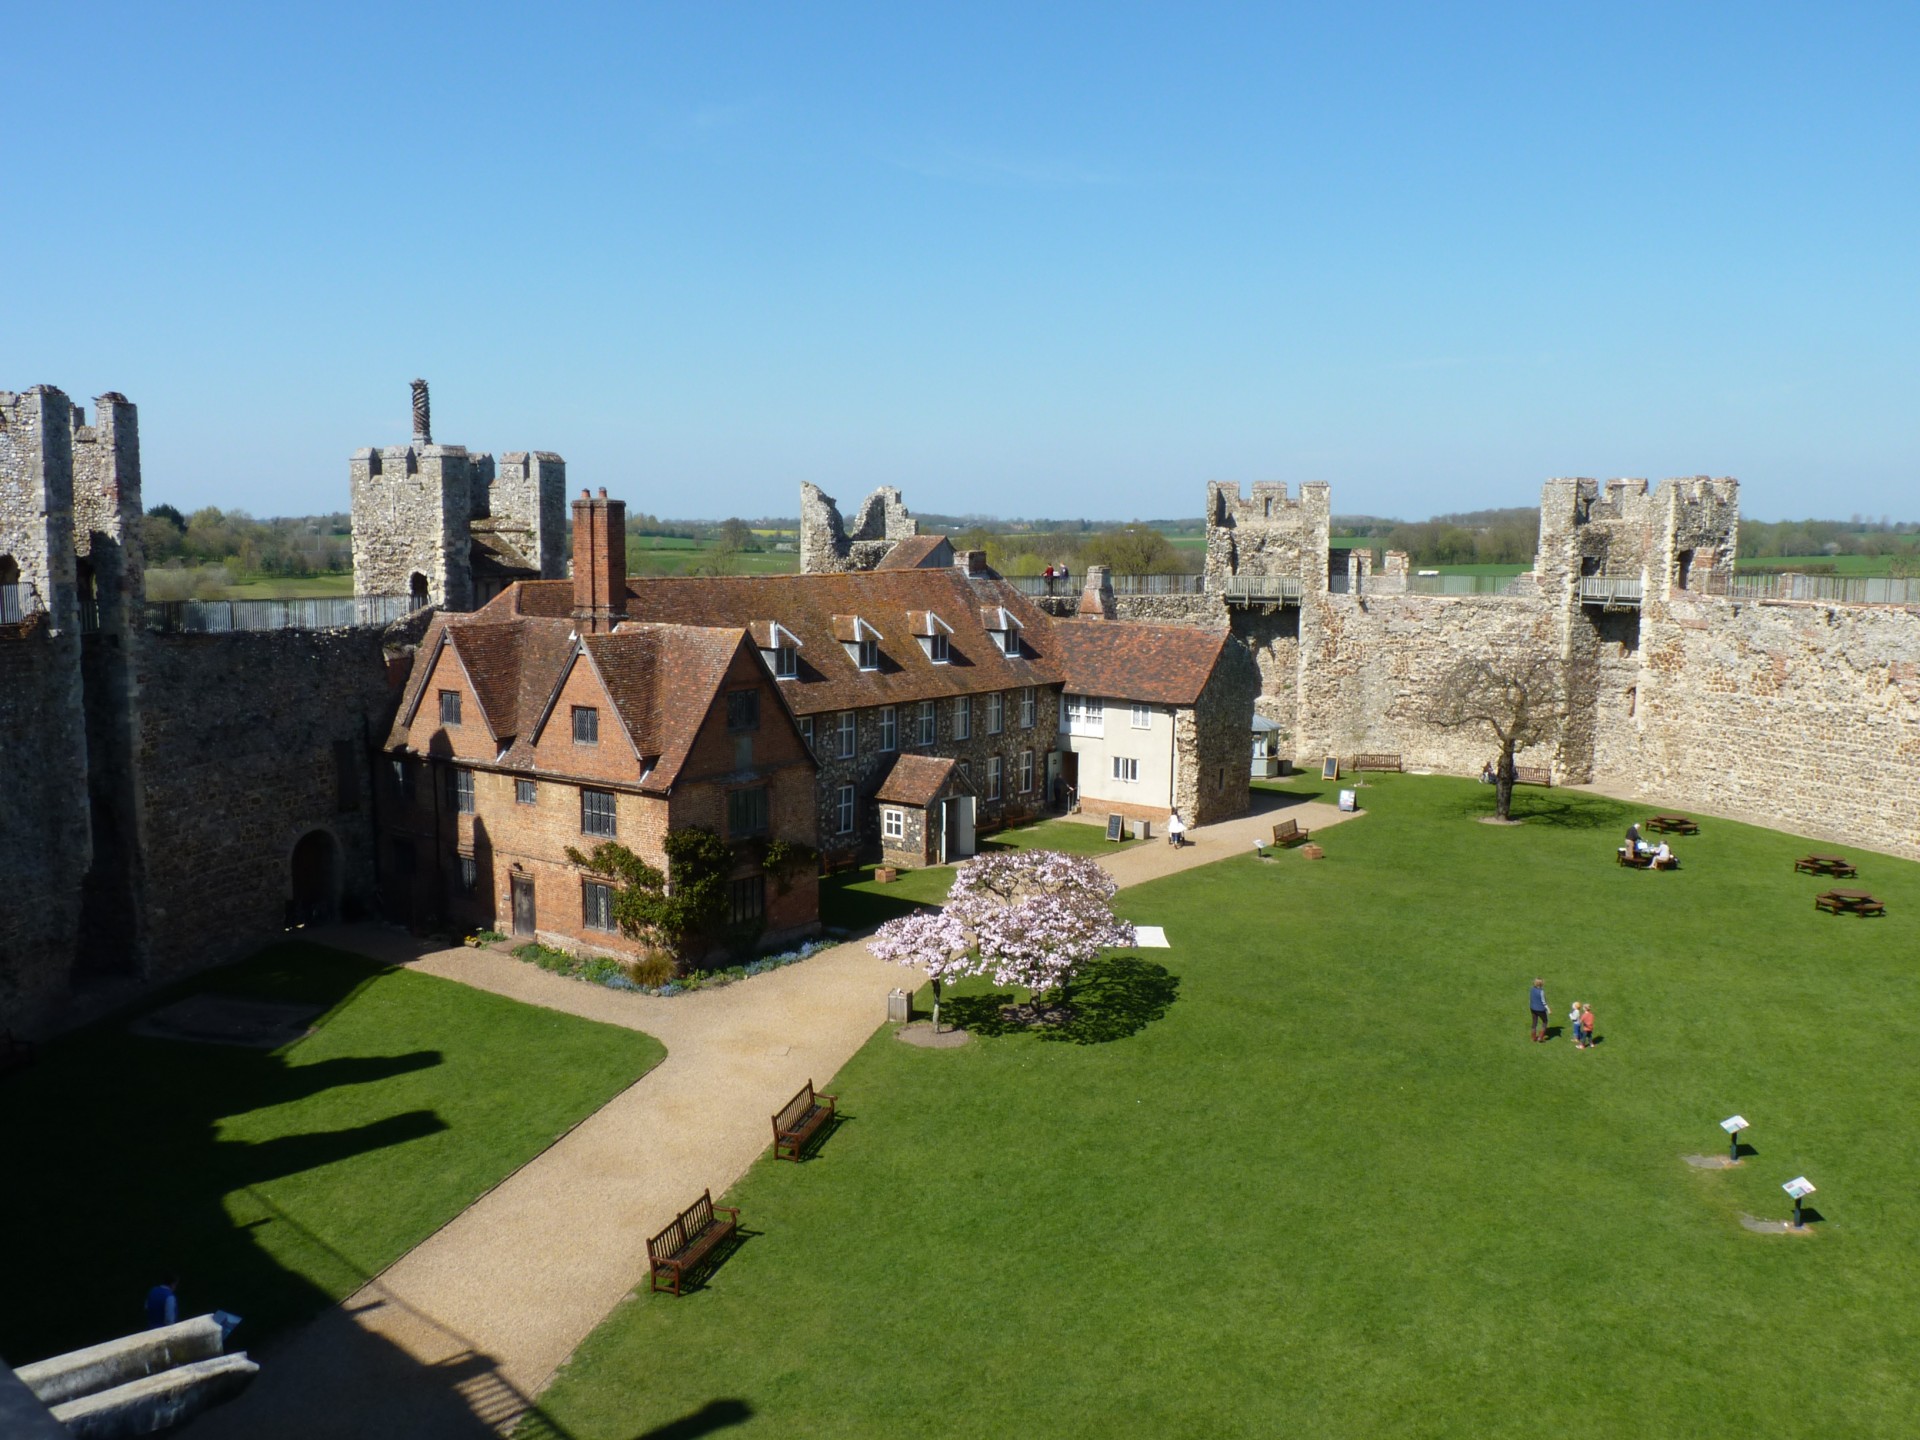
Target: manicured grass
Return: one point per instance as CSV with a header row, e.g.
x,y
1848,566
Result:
x,y
1332,1191
854,900
281,587
275,1182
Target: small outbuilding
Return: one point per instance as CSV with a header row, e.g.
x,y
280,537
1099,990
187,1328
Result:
x,y
926,812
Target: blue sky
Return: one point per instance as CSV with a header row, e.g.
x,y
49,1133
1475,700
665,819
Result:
x,y
1023,260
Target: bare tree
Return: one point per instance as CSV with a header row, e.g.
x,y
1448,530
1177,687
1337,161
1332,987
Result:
x,y
1518,700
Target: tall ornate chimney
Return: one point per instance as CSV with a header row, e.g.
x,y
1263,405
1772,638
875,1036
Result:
x,y
422,415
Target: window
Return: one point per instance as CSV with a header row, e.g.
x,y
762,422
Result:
x,y
844,735
1084,715
596,905
743,752
868,654
747,812
460,790
598,813
449,707
1125,769
994,768
937,649
1026,772
843,818
586,725
889,728
747,899
893,823
1026,708
996,713
929,724
965,767
743,710
526,792
963,718
469,875
1142,717
806,730
786,662
1008,639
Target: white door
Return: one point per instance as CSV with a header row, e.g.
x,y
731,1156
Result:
x,y
962,826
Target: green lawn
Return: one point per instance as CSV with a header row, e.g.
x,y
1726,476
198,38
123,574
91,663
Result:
x,y
854,900
276,1181
1319,1184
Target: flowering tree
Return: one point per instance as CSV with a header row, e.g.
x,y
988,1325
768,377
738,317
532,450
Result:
x,y
1032,918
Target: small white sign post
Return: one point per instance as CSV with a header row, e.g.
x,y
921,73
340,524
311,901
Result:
x,y
1733,1125
1799,1188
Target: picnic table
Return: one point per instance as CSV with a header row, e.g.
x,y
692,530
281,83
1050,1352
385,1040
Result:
x,y
1838,866
1673,825
1848,902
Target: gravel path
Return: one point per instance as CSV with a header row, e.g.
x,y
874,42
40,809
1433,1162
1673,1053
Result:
x,y
456,1336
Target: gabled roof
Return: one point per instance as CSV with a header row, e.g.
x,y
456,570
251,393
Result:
x,y
663,679
1154,664
818,609
851,630
771,635
926,623
919,780
918,552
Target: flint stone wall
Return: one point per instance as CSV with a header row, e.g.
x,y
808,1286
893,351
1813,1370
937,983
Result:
x,y
1212,740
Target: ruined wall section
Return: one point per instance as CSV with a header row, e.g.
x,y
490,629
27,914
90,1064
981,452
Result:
x,y
829,547
412,515
526,498
1797,715
250,741
1371,663
36,497
1267,533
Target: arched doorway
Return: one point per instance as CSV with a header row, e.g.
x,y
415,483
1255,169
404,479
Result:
x,y
417,590
315,878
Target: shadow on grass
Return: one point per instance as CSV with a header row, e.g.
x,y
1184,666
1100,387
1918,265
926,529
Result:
x,y
1112,999
853,900
712,1416
811,1150
1556,810
695,1280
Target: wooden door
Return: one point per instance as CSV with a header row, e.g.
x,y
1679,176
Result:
x,y
523,905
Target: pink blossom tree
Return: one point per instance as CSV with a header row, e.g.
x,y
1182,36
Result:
x,y
1032,918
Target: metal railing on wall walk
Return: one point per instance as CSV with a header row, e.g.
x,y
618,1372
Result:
x,y
1610,590
332,612
1831,589
1182,584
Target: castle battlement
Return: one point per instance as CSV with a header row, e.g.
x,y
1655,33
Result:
x,y
1268,500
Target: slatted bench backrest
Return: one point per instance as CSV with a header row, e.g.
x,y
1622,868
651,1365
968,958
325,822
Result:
x,y
688,1226
1285,830
795,1110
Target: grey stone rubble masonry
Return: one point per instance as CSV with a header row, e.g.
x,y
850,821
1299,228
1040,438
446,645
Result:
x,y
829,547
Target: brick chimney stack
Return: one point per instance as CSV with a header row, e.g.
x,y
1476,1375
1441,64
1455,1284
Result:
x,y
1096,601
599,561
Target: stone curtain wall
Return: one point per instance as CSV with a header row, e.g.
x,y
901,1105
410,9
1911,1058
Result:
x,y
1795,715
1368,664
238,737
828,547
45,845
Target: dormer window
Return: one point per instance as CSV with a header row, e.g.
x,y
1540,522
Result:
x,y
932,632
779,647
861,640
1004,629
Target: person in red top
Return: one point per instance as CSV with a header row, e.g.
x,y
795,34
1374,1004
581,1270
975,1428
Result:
x,y
1586,1026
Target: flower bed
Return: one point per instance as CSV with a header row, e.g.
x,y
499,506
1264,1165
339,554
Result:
x,y
616,974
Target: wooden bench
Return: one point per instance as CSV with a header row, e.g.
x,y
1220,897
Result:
x,y
799,1120
1837,866
677,1251
1533,775
15,1053
1375,762
1288,831
1848,902
1628,855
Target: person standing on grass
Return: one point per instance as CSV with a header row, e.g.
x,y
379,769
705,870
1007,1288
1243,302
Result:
x,y
1586,1027
1573,1023
1537,1007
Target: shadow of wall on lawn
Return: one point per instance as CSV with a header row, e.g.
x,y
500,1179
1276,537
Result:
x,y
712,1416
1112,998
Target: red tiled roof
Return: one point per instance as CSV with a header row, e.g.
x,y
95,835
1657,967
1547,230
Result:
x,y
918,552
1155,664
811,605
663,679
916,780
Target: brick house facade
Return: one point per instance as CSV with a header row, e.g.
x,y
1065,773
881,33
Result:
x,y
521,736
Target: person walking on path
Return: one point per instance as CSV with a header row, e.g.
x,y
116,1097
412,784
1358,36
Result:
x,y
1586,1027
1537,1006
1176,830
